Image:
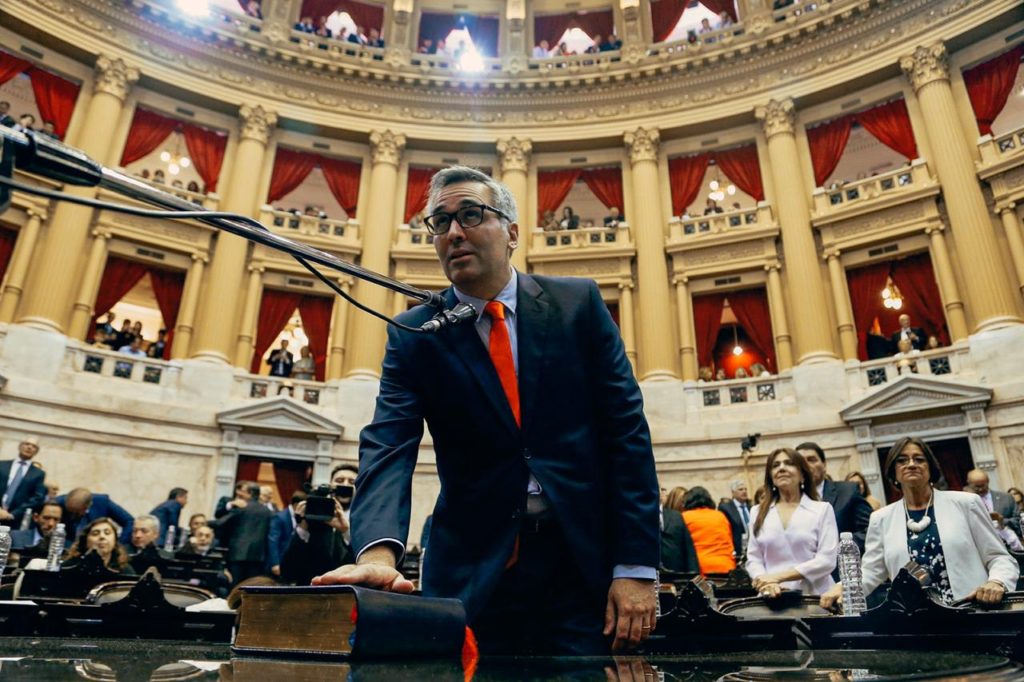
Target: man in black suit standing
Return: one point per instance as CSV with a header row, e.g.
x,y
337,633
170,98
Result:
x,y
547,525
737,510
244,529
22,486
280,361
852,511
916,335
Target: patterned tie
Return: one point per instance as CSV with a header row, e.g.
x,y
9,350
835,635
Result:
x,y
500,349
12,487
746,515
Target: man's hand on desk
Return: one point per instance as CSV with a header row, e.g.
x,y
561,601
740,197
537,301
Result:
x,y
376,568
629,614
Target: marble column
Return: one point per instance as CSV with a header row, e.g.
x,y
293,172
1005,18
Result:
x,y
339,320
780,325
841,299
187,313
250,311
17,269
948,289
369,333
989,292
1011,226
52,285
216,336
687,344
95,264
278,18
626,321
803,274
656,348
514,161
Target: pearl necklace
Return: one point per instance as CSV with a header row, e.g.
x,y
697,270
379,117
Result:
x,y
919,526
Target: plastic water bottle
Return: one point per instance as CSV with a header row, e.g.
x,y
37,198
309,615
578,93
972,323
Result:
x,y
169,540
849,573
5,545
56,548
26,519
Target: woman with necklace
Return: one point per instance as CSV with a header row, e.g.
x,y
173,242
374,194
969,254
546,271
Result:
x,y
948,533
793,541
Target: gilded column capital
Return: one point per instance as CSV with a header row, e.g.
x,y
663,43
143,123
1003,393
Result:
x,y
100,233
257,268
832,254
777,117
386,147
625,285
642,144
514,154
114,77
680,280
772,267
197,257
257,122
934,229
1008,207
926,64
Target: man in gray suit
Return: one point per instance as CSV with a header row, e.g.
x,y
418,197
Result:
x,y
995,501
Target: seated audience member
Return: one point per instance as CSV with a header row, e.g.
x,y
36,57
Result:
x,y
321,28
105,332
706,27
793,541
705,374
168,513
5,115
305,366
613,43
305,25
159,177
948,533
82,507
134,348
375,39
711,206
759,370
281,361
35,541
724,20
1001,506
441,48
157,348
427,47
49,130
193,187
195,522
710,530
550,222
720,375
741,373
863,489
100,536
358,37
26,122
677,550
916,335
122,337
569,221
200,544
932,343
145,532
594,47
282,527
614,218
252,9
563,50
542,50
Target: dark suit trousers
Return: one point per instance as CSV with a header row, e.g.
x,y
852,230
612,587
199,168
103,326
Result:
x,y
541,605
243,570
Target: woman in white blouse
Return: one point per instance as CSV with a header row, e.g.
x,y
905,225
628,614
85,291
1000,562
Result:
x,y
794,540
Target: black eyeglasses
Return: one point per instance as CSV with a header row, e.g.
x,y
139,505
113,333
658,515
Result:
x,y
468,216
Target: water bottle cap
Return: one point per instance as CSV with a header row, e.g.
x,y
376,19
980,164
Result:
x,y
846,535
60,526
5,529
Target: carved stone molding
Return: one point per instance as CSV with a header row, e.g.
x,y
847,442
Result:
x,y
514,154
925,65
386,146
642,144
114,77
777,117
257,122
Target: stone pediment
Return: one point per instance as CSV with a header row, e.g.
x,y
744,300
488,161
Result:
x,y
281,415
910,395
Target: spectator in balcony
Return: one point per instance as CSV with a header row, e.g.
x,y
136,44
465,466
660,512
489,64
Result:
x,y
193,187
105,332
550,221
720,375
426,46
321,28
305,25
563,50
158,176
49,130
281,361
305,368
359,37
122,337
933,343
25,122
724,20
100,536
252,9
134,348
735,206
542,50
711,206
595,47
759,370
5,115
741,373
416,222
706,27
177,184
442,48
915,335
168,512
705,374
569,221
613,43
614,218
375,39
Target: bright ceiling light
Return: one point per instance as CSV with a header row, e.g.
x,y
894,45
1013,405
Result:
x,y
194,8
737,350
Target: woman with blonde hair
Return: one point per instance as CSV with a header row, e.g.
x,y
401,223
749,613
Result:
x,y
675,498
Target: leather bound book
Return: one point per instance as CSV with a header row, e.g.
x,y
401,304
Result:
x,y
344,621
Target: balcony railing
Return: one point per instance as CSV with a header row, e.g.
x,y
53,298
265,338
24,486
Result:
x,y
837,198
557,241
752,390
102,361
407,237
255,387
720,222
995,150
290,224
947,361
208,201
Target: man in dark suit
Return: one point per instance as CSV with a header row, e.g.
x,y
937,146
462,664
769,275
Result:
x,y
737,510
677,550
547,525
226,504
280,361
82,507
852,511
168,513
282,527
916,335
35,541
1000,505
5,115
22,486
245,532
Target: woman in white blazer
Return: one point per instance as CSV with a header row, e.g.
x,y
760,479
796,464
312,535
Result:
x,y
949,533
793,540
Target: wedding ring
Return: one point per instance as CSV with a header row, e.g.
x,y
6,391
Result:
x,y
645,627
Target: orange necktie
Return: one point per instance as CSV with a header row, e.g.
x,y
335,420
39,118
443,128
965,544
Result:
x,y
500,349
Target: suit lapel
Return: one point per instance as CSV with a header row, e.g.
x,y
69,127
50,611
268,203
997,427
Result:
x,y
830,493
464,341
532,324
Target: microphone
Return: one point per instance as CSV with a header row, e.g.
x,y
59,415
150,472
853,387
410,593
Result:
x,y
449,318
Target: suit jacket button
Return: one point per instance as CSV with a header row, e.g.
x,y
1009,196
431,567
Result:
x,y
527,454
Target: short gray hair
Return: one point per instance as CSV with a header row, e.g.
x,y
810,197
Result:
x,y
148,519
501,195
737,484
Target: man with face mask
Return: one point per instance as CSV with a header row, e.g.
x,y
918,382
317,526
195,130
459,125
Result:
x,y
317,545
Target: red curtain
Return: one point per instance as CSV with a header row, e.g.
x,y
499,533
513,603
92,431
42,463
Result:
x,y
7,241
416,190
665,14
55,98
707,321
685,175
989,85
865,285
365,15
594,23
551,27
606,184
741,166
719,6
316,319
915,279
553,187
291,167
168,286
206,149
275,309
343,180
890,124
148,130
119,276
289,477
11,66
827,143
750,307
248,469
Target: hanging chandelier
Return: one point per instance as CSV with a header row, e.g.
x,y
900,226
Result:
x,y
737,349
891,296
718,192
175,161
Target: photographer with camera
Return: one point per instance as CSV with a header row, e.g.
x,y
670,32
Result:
x,y
321,539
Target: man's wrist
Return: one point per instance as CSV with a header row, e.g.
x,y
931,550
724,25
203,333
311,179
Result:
x,y
379,554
